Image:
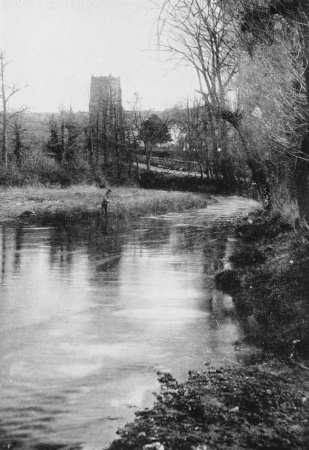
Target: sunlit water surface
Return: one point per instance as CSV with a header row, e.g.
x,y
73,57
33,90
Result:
x,y
88,316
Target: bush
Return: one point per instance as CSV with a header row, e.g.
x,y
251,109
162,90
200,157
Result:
x,y
228,281
78,172
37,168
264,227
40,169
247,256
11,176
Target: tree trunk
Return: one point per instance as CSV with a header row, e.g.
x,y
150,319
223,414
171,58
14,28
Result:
x,y
227,167
148,162
215,145
260,178
209,173
138,172
302,166
18,143
4,140
90,149
259,174
148,155
301,177
4,124
129,161
6,93
63,149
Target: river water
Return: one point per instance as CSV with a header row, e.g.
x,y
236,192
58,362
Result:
x,y
88,316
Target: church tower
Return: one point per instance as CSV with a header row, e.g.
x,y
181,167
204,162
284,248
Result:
x,y
106,120
105,97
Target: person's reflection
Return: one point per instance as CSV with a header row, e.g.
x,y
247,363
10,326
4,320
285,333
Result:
x,y
18,246
4,255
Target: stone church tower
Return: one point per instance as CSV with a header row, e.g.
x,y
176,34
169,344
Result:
x,y
106,120
105,98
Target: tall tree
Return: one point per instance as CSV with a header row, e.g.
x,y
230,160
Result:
x,y
194,123
54,146
7,91
18,131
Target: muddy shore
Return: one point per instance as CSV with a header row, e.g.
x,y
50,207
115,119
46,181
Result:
x,y
261,406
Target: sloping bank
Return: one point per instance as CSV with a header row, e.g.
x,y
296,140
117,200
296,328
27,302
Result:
x,y
55,206
265,405
269,283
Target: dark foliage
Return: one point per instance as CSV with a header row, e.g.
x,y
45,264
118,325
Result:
x,y
154,130
247,256
228,281
263,228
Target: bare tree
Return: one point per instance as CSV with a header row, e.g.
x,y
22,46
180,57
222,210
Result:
x,y
201,33
193,123
198,32
7,92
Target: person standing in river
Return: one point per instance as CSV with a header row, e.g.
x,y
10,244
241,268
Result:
x,y
105,202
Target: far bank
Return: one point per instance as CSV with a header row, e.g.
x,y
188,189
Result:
x,y
40,205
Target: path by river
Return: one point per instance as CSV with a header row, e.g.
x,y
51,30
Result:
x,y
88,317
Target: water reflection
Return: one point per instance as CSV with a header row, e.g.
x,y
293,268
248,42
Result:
x,y
88,317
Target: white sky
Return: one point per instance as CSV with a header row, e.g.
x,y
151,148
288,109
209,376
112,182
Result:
x,y
56,45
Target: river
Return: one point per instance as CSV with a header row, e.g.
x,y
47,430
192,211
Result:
x,y
88,316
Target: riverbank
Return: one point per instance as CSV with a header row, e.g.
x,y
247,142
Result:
x,y
270,286
264,405
45,206
260,407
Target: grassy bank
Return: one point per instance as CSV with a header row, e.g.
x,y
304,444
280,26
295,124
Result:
x,y
56,206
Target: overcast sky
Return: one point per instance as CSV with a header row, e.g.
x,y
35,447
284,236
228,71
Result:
x,y
56,45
